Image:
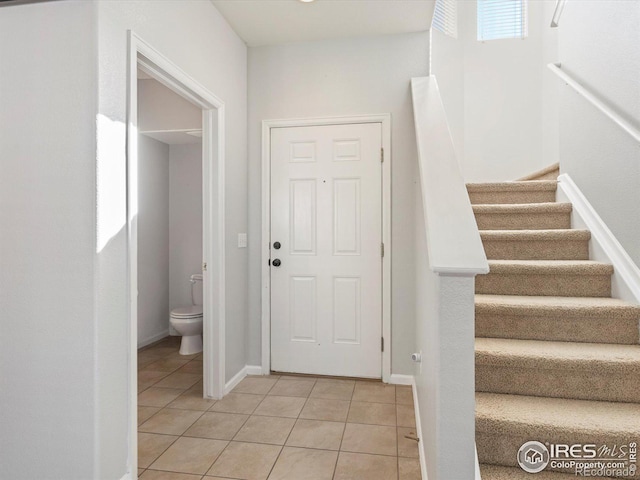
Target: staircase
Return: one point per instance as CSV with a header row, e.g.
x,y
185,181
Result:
x,y
557,359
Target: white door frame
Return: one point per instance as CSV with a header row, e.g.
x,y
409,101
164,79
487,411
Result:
x,y
148,59
267,125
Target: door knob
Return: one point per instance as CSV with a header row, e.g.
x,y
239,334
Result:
x,y
276,262
277,245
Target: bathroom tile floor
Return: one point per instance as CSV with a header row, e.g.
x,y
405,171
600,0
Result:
x,y
275,427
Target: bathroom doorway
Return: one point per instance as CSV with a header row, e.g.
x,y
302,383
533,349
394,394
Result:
x,y
200,256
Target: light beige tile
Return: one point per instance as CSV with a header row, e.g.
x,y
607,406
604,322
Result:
x,y
324,409
190,455
406,446
237,403
255,385
291,387
151,446
194,366
372,413
158,397
157,475
280,407
375,439
167,364
304,464
404,395
406,416
160,350
221,426
170,421
333,389
274,430
145,413
358,466
247,461
374,392
192,400
140,470
316,434
179,380
409,469
149,377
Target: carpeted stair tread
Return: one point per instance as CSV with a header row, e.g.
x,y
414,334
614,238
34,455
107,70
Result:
x,y
535,235
555,244
544,185
497,472
567,355
546,305
512,192
529,208
530,416
549,267
522,216
571,278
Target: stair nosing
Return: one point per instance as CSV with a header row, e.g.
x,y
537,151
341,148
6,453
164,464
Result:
x,y
524,186
596,409
511,208
556,355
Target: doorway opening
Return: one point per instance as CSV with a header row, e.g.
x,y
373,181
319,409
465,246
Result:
x,y
326,236
154,66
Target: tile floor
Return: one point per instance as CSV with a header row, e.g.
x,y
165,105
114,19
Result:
x,y
275,427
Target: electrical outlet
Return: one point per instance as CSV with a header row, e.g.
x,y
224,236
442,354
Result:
x,y
242,240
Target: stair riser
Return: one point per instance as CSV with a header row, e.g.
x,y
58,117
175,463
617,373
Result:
x,y
556,285
614,385
523,221
536,250
561,329
493,198
499,447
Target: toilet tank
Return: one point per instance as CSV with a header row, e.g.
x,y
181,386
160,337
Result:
x,y
196,289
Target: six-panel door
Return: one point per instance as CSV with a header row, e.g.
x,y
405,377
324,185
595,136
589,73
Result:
x,y
326,214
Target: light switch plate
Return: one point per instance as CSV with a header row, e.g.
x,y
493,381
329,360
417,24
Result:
x,y
242,240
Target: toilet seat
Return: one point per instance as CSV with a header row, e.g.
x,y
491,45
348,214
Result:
x,y
192,311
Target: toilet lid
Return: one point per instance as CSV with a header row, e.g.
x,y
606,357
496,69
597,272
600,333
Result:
x,y
187,312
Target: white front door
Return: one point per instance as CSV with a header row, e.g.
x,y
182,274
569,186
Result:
x,y
326,238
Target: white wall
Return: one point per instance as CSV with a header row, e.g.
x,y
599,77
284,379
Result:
x,y
47,241
153,237
159,108
193,35
185,234
599,48
64,271
333,78
499,96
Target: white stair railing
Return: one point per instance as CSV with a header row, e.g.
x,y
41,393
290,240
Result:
x,y
595,101
449,254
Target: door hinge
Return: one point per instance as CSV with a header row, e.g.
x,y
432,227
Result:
x,y
382,344
382,249
381,155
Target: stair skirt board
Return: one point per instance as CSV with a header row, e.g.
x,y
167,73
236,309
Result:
x,y
557,359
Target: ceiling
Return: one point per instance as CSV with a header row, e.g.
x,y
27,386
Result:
x,y
272,22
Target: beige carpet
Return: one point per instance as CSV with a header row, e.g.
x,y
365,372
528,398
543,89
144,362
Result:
x,y
557,359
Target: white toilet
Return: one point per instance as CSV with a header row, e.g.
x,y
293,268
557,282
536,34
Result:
x,y
187,321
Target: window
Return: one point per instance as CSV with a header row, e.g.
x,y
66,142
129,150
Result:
x,y
445,17
502,19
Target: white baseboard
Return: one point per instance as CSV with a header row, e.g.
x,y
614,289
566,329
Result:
x,y
128,476
416,408
153,338
238,377
253,369
604,247
398,379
